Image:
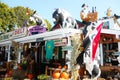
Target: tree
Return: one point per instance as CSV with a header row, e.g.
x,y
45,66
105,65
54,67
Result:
x,y
48,25
22,15
7,17
11,17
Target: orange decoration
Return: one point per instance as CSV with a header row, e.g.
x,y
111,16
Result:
x,y
91,17
60,67
56,75
64,75
10,72
65,67
30,76
19,67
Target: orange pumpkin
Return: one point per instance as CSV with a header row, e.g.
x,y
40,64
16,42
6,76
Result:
x,y
60,67
56,75
64,75
30,76
19,67
10,72
65,67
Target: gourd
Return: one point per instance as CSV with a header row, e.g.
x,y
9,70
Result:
x,y
64,75
56,74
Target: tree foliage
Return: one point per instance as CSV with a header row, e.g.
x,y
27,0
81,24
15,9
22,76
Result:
x,y
22,15
48,25
11,17
7,17
18,16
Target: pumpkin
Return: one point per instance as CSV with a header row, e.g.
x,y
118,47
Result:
x,y
59,67
19,67
65,67
56,75
64,75
30,76
10,72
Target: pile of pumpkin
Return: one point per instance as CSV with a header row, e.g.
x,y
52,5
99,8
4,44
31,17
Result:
x,y
61,74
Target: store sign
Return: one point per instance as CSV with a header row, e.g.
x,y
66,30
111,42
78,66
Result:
x,y
39,39
36,30
21,32
5,36
60,42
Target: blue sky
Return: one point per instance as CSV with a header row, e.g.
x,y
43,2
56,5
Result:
x,y
45,7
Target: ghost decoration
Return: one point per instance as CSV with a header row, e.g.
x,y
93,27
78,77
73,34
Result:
x,y
64,18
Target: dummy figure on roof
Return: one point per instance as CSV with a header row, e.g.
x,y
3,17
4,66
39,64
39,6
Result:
x,y
37,19
115,16
109,12
62,17
88,16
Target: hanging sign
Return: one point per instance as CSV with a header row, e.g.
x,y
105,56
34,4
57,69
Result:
x,y
65,48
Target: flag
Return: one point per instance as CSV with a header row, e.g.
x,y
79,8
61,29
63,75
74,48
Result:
x,y
95,40
91,60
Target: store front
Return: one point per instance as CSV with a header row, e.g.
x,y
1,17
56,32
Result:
x,y
110,51
57,56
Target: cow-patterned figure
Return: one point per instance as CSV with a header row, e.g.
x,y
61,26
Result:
x,y
64,18
37,19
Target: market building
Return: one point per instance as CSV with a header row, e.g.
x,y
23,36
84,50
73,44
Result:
x,y
37,51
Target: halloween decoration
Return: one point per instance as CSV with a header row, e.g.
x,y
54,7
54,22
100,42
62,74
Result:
x,y
64,75
88,16
77,48
37,19
109,14
56,74
64,18
90,52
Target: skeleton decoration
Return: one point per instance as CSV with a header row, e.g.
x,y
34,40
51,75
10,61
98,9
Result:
x,y
37,19
64,18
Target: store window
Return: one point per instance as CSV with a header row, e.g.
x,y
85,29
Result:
x,y
109,50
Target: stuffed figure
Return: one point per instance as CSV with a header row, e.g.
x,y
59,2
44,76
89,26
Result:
x,y
109,11
64,18
84,12
37,19
88,16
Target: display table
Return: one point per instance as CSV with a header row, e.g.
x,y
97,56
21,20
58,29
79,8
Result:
x,y
109,71
110,68
49,70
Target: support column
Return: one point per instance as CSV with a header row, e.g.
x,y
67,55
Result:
x,y
101,54
68,55
19,52
8,51
118,46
